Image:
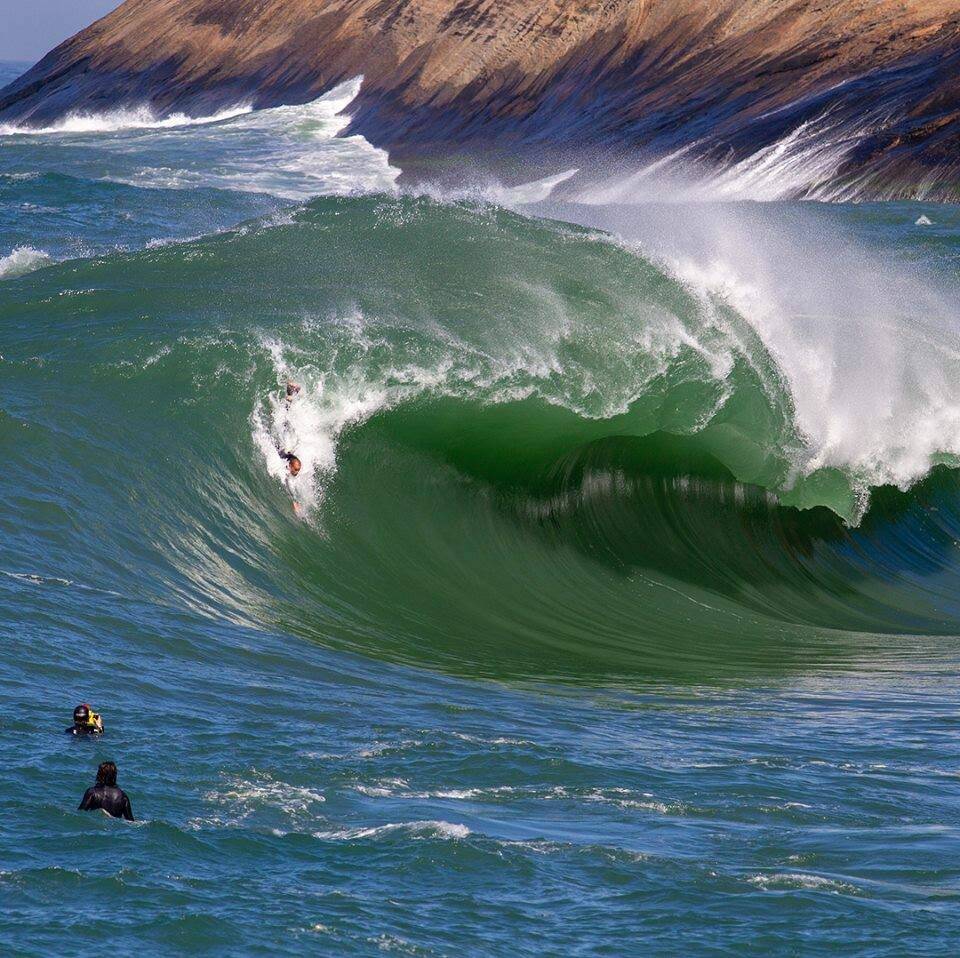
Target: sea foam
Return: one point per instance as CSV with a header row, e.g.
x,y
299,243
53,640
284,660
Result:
x,y
22,260
141,117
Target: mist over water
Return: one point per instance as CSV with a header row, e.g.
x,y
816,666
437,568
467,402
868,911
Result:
x,y
622,593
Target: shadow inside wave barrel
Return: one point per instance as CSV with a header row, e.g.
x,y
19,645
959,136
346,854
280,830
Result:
x,y
630,559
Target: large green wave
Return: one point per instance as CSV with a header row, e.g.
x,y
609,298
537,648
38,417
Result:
x,y
528,451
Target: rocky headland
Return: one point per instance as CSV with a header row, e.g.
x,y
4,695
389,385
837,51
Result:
x,y
725,78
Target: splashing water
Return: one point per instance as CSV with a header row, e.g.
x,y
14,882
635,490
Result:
x,y
22,260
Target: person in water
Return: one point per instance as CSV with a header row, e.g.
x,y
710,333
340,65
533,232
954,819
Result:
x,y
294,465
85,722
105,796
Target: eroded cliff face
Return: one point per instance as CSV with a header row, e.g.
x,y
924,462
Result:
x,y
468,75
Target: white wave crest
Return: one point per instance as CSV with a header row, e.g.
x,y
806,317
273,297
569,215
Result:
x,y
875,393
120,119
858,350
294,152
22,260
416,830
800,881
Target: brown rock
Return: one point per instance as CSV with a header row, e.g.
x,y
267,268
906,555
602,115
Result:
x,y
475,75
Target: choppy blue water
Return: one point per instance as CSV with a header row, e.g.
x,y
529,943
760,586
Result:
x,y
551,662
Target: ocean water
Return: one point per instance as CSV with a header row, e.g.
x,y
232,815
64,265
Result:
x,y
620,614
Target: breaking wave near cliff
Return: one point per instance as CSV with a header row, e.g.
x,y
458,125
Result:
x,y
579,429
743,417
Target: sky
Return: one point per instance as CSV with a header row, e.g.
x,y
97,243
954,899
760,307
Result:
x,y
32,27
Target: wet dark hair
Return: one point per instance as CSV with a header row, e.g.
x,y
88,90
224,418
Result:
x,y
107,773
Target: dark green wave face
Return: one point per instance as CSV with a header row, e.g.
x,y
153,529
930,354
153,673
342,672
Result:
x,y
528,452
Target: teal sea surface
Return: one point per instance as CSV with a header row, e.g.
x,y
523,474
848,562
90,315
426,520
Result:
x,y
619,613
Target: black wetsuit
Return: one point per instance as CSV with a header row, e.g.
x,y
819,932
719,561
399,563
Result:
x,y
84,730
111,799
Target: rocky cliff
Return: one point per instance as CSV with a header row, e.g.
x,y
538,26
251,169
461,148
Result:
x,y
729,76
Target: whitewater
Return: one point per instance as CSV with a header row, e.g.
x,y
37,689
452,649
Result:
x,y
624,589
